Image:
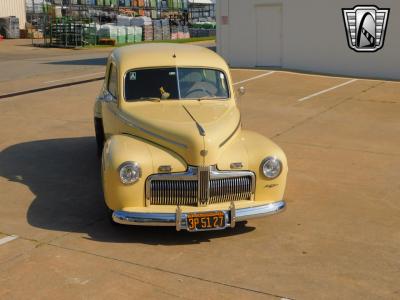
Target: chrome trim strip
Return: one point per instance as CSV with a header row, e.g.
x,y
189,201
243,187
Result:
x,y
232,134
172,219
203,186
228,85
260,211
117,112
178,80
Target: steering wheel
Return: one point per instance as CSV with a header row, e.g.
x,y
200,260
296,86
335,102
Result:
x,y
199,90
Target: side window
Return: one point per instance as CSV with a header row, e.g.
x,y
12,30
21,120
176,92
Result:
x,y
210,75
112,85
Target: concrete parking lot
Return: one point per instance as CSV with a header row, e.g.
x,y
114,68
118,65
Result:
x,y
338,239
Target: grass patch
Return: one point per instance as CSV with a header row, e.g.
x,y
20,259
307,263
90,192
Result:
x,y
181,41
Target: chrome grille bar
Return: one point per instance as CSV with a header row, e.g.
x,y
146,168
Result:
x,y
199,186
204,185
230,189
173,192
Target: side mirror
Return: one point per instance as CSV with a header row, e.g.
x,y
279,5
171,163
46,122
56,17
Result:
x,y
242,90
106,97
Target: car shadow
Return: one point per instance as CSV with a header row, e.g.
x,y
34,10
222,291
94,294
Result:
x,y
100,61
64,176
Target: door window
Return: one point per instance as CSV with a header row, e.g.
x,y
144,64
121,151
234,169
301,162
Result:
x,y
112,86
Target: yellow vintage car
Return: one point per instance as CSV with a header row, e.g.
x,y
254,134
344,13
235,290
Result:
x,y
172,146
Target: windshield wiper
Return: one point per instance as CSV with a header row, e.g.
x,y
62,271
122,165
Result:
x,y
209,98
153,99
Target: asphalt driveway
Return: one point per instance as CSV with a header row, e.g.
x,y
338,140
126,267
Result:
x,y
338,239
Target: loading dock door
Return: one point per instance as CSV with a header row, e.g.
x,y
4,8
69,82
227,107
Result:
x,y
269,36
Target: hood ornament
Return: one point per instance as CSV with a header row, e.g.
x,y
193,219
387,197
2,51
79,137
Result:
x,y
199,127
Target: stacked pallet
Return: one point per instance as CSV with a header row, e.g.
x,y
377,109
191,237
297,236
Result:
x,y
186,33
175,4
9,27
201,32
174,32
130,34
138,34
147,26
133,34
154,5
150,3
110,3
139,21
121,38
139,26
166,31
125,3
157,30
108,32
140,4
124,21
30,33
121,34
205,25
148,32
182,32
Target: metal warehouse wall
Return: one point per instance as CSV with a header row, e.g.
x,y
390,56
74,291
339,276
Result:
x,y
313,37
14,8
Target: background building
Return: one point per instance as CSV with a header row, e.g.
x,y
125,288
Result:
x,y
306,35
14,8
80,23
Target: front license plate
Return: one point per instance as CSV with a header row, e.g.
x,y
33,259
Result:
x,y
206,221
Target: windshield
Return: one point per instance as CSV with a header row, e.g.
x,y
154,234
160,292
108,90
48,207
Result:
x,y
175,83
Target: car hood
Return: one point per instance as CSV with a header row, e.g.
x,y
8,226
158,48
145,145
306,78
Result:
x,y
195,130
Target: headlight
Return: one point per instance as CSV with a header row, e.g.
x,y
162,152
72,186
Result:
x,y
271,167
129,172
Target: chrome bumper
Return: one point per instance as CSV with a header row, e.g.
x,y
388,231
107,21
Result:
x,y
179,218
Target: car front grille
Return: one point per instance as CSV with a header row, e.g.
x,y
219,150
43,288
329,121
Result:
x,y
199,187
231,189
173,192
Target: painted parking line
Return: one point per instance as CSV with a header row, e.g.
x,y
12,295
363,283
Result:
x,y
299,73
327,90
8,239
255,77
75,77
248,70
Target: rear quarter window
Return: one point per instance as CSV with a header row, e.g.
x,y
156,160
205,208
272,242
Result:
x,y
112,85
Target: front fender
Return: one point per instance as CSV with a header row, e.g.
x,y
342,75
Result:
x,y
97,109
250,149
121,148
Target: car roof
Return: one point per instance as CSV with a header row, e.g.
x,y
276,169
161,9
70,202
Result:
x,y
166,55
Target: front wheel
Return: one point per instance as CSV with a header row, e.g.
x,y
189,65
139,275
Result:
x,y
98,128
109,217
